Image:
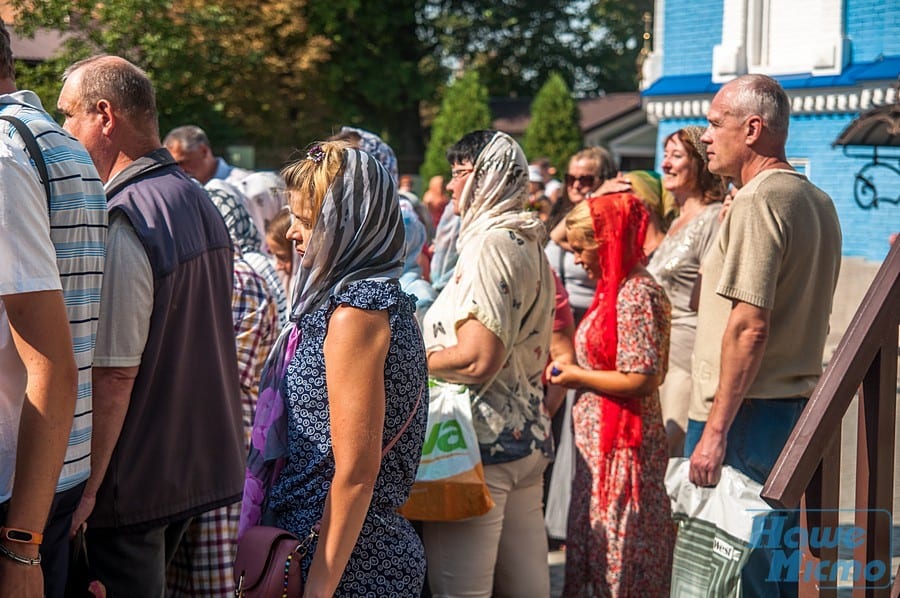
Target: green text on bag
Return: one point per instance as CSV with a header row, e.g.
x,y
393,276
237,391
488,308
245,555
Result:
x,y
447,436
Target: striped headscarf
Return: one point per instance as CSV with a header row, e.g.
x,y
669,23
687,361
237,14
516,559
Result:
x,y
357,236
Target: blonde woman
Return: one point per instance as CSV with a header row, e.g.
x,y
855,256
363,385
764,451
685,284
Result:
x,y
346,377
620,535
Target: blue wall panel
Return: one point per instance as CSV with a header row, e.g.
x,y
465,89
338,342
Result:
x,y
873,27
692,28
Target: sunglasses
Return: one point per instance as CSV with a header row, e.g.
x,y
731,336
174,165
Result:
x,y
587,180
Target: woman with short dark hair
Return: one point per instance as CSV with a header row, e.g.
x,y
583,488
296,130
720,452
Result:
x,y
489,329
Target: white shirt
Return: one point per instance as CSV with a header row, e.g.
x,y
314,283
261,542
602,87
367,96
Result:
x,y
27,264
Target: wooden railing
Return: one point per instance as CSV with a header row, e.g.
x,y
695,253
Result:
x,y
808,469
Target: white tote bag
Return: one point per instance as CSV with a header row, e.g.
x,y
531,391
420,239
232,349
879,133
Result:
x,y
450,480
556,515
715,526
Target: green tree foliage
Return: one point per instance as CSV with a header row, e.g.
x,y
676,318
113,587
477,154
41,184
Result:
x,y
554,129
42,79
280,73
377,77
238,69
463,109
516,45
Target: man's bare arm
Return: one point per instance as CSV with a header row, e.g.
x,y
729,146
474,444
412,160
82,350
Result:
x,y
112,395
40,332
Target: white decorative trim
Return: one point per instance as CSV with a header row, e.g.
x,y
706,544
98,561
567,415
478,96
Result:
x,y
652,68
729,58
820,101
801,165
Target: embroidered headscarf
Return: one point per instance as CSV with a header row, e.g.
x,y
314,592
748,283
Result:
x,y
495,193
619,222
692,134
357,236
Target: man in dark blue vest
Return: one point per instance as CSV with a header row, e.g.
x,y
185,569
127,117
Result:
x,y
168,441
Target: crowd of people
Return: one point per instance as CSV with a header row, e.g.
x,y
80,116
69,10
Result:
x,y
189,349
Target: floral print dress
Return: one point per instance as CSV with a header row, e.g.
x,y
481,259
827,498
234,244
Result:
x,y
623,547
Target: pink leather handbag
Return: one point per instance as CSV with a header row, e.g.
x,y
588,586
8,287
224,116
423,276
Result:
x,y
267,562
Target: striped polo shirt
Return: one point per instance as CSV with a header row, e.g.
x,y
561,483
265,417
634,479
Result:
x,y
78,230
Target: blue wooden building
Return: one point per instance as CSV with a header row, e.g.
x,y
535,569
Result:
x,y
835,58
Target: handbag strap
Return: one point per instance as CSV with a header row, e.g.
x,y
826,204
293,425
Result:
x,y
408,421
34,151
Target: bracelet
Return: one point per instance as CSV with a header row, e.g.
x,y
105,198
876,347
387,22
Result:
x,y
24,560
22,536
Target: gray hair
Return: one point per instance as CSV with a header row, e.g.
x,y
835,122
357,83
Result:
x,y
603,160
189,137
119,81
762,95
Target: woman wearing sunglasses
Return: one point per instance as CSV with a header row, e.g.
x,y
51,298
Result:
x,y
588,169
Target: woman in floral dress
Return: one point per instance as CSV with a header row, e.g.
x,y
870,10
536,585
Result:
x,y
620,535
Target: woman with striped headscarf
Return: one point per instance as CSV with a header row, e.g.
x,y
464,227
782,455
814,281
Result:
x,y
346,377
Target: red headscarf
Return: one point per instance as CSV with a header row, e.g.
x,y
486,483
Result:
x,y
620,225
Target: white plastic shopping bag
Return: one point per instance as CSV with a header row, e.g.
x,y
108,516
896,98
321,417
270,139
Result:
x,y
450,479
715,526
556,513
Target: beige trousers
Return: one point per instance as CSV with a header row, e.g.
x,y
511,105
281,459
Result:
x,y
504,551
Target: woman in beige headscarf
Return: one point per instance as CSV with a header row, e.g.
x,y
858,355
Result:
x,y
490,329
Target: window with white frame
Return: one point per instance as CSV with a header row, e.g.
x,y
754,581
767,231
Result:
x,y
780,37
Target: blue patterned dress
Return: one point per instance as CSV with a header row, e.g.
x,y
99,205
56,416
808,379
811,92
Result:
x,y
388,559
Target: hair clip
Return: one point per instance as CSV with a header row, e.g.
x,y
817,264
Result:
x,y
316,153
